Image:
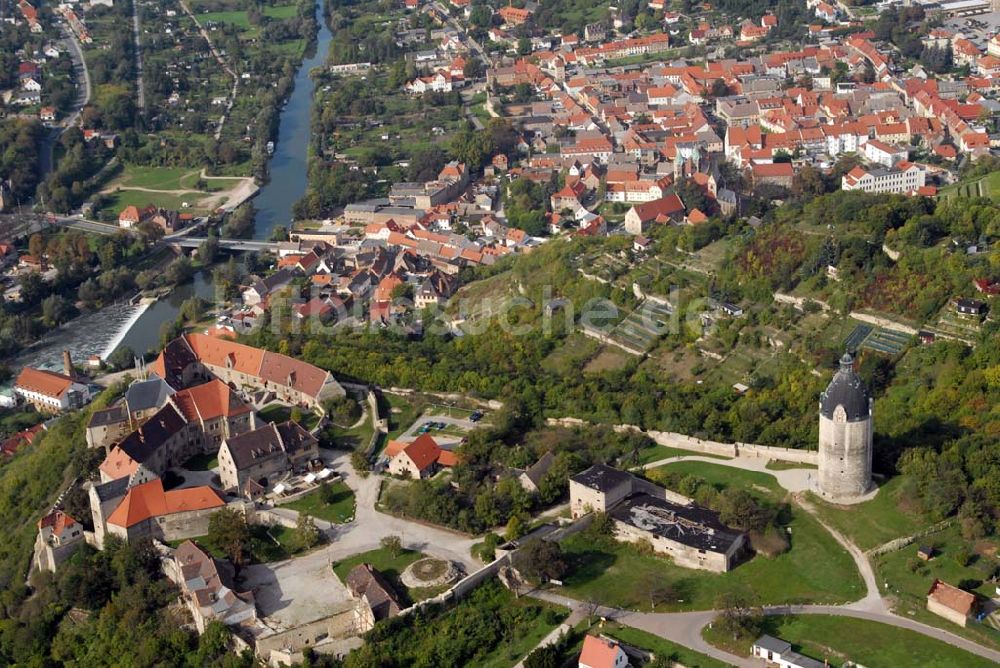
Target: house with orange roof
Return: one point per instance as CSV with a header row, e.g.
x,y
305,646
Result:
x,y
216,409
602,652
194,358
148,511
956,605
59,535
514,16
418,459
50,392
132,215
665,210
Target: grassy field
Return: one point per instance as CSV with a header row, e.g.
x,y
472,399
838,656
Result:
x,y
875,522
781,465
118,200
337,511
401,411
840,639
909,578
159,178
816,569
658,452
569,355
661,648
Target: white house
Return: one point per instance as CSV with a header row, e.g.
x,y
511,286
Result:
x,y
903,178
777,652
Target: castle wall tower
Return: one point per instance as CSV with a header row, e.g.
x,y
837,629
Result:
x,y
845,436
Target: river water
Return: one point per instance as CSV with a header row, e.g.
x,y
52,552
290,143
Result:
x,y
139,327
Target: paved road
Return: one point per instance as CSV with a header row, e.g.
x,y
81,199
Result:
x,y
370,526
793,480
140,87
461,423
685,628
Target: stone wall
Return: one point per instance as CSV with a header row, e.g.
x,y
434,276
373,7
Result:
x,y
698,445
899,543
285,647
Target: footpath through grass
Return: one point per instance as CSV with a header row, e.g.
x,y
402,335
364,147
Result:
x,y
891,514
840,639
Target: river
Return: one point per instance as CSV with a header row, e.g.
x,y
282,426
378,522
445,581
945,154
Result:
x,y
139,327
288,166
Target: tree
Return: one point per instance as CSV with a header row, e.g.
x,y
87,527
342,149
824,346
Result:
x,y
739,617
540,561
393,544
657,590
306,533
56,310
123,357
208,249
228,529
179,271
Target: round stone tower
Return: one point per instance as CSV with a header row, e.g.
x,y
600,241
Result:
x,y
845,436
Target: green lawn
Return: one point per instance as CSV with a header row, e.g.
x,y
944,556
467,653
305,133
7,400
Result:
x,y
339,509
401,411
840,639
281,413
657,452
985,186
159,178
909,578
661,648
781,465
262,548
877,521
118,200
816,569
391,567
205,462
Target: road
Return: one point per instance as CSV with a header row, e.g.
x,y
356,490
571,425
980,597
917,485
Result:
x,y
461,30
371,526
223,63
685,628
140,87
46,158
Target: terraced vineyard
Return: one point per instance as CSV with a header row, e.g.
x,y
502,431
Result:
x,y
641,328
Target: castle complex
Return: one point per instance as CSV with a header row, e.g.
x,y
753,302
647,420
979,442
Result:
x,y
845,436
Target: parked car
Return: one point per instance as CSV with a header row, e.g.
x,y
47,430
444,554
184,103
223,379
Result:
x,y
476,416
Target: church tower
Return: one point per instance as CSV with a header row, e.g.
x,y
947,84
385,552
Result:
x,y
845,436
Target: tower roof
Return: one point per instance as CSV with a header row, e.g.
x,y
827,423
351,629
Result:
x,y
847,390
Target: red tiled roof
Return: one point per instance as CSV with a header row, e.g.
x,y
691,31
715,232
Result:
x,y
149,500
58,520
47,383
952,597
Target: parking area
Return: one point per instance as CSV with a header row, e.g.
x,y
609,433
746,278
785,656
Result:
x,y
977,29
444,427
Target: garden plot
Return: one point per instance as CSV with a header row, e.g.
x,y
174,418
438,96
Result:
x,y
879,339
642,328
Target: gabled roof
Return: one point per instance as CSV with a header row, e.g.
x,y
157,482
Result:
x,y
148,500
598,652
670,205
953,598
58,521
47,383
210,400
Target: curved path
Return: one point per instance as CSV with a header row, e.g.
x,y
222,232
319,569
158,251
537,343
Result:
x,y
684,628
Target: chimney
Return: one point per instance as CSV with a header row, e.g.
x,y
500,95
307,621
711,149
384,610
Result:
x,y
68,365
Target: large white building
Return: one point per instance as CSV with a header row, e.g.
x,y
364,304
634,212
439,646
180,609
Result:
x,y
905,177
50,391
